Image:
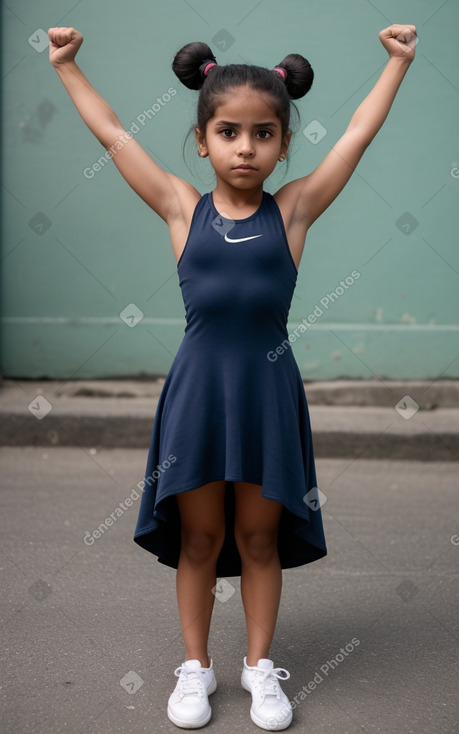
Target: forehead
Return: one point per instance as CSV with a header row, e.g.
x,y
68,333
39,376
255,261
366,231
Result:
x,y
245,103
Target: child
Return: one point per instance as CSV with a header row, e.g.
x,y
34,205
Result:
x,y
230,486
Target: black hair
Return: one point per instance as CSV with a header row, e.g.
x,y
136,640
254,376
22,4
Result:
x,y
189,64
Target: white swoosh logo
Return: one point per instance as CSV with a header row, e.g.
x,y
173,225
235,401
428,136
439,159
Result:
x,y
243,239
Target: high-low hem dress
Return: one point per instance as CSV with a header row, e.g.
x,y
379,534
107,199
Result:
x,y
232,407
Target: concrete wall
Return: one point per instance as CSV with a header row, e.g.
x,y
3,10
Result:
x,y
78,250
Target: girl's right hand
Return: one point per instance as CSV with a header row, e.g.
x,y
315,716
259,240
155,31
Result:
x,y
64,44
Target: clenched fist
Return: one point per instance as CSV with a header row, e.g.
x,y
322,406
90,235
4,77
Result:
x,y
399,41
64,44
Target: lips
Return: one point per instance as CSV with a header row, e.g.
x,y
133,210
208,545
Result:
x,y
244,168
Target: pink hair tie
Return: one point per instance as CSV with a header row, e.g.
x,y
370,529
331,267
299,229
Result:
x,y
208,67
282,72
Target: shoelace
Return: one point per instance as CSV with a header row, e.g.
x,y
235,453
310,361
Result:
x,y
267,680
190,681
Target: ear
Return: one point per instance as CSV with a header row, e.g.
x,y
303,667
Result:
x,y
201,143
285,143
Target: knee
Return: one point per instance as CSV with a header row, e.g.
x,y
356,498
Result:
x,y
257,546
201,547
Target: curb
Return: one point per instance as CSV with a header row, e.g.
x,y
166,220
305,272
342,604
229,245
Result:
x,y
353,419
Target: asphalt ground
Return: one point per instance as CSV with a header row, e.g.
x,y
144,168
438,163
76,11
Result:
x,y
91,634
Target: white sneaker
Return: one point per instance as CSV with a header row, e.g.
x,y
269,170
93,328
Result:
x,y
270,708
188,705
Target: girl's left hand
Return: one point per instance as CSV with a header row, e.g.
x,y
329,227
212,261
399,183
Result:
x,y
399,41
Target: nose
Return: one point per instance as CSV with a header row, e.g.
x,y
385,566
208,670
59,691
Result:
x,y
245,147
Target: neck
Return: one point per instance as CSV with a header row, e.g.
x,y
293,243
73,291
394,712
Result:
x,y
236,202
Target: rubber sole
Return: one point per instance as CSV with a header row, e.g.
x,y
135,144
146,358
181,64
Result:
x,y
187,724
279,726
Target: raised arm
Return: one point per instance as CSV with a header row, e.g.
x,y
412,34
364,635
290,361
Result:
x,y
162,191
312,194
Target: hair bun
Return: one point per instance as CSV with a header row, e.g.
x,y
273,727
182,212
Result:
x,y
187,62
299,75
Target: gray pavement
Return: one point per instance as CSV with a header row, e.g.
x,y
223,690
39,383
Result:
x,y
91,633
371,419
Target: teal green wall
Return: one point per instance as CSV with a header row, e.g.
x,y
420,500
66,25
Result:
x,y
64,287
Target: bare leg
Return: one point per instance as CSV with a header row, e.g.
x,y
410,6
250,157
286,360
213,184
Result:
x,y
256,528
203,531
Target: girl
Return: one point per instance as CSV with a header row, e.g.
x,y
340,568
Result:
x,y
230,487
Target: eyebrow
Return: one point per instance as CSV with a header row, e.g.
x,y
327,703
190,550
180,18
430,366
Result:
x,y
238,124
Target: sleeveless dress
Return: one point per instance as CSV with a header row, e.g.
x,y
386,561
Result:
x,y
231,407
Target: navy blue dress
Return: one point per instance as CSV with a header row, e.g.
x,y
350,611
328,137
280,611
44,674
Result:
x,y
228,408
